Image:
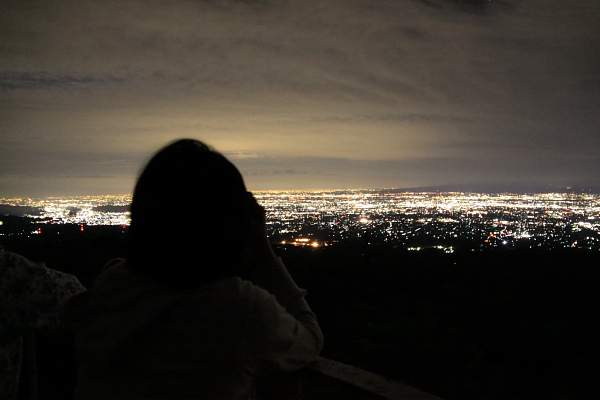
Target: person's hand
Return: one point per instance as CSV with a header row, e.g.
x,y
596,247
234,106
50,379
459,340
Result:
x,y
258,248
256,219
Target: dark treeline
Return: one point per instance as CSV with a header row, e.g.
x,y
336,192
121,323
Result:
x,y
19,211
472,325
112,208
519,324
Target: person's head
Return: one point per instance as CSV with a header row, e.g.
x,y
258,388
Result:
x,y
187,216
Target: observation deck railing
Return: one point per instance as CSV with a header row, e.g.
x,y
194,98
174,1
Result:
x,y
322,379
331,379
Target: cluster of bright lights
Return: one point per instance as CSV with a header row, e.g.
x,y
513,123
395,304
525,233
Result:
x,y
76,210
395,216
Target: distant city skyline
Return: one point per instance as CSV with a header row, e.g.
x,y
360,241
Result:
x,y
487,188
301,94
415,221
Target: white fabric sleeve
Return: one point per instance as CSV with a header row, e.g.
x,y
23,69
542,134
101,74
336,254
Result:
x,y
282,332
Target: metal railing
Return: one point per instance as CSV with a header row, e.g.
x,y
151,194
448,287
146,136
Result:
x,y
364,384
375,386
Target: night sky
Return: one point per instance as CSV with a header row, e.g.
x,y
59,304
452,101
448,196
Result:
x,y
300,94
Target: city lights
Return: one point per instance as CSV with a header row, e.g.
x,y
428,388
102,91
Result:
x,y
412,220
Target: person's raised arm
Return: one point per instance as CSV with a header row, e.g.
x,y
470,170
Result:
x,y
295,338
268,271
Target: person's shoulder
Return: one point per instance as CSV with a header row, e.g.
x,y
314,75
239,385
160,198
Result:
x,y
229,286
114,263
256,295
10,261
118,285
231,290
113,269
16,268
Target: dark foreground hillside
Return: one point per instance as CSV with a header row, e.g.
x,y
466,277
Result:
x,y
478,325
475,325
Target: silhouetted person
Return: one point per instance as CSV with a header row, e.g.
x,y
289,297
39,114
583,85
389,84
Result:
x,y
175,320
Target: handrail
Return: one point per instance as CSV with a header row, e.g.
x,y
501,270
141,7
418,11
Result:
x,y
383,387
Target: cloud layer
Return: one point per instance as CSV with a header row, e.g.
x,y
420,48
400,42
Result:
x,y
330,94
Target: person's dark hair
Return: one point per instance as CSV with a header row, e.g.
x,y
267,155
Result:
x,y
187,217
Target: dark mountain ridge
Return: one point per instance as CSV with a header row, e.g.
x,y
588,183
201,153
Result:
x,y
489,188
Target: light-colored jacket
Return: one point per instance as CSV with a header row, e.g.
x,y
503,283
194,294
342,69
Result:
x,y
138,340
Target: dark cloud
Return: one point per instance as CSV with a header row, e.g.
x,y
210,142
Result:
x,y
50,163
275,172
471,6
400,117
497,168
13,80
